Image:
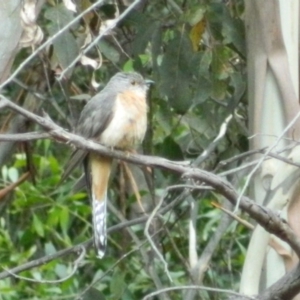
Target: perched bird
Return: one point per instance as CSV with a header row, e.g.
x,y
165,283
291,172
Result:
x,y
115,117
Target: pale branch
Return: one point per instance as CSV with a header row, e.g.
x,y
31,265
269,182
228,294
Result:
x,y
76,264
286,160
32,136
254,162
195,287
151,241
43,260
24,137
4,191
212,146
3,104
193,234
241,156
264,216
233,216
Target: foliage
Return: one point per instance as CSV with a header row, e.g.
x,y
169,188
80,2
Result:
x,y
194,51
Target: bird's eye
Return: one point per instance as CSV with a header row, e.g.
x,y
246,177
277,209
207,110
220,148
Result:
x,y
133,82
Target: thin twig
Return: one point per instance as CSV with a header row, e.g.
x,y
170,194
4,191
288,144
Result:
x,y
148,236
214,143
193,256
12,186
195,287
75,268
24,137
233,215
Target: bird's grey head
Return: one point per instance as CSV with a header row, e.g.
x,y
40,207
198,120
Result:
x,y
128,81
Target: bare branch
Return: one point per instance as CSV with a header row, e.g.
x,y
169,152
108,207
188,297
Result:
x,y
195,287
43,260
212,146
76,265
147,234
8,189
254,162
24,137
233,215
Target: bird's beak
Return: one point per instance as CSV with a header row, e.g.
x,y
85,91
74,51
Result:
x,y
149,82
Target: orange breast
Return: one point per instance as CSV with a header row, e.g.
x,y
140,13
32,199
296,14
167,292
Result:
x,y
128,126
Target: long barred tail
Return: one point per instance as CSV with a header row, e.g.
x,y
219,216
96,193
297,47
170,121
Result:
x,y
99,221
99,176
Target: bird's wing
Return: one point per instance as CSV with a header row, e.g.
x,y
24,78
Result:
x,y
76,158
96,115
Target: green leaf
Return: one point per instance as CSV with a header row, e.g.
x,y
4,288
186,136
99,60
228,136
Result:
x,y
176,72
49,249
93,294
53,217
204,90
38,226
194,14
170,149
13,174
65,46
231,29
61,270
128,66
64,218
163,120
117,284
109,51
145,27
238,82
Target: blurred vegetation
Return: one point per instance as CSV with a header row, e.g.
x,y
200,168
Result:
x,y
195,53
